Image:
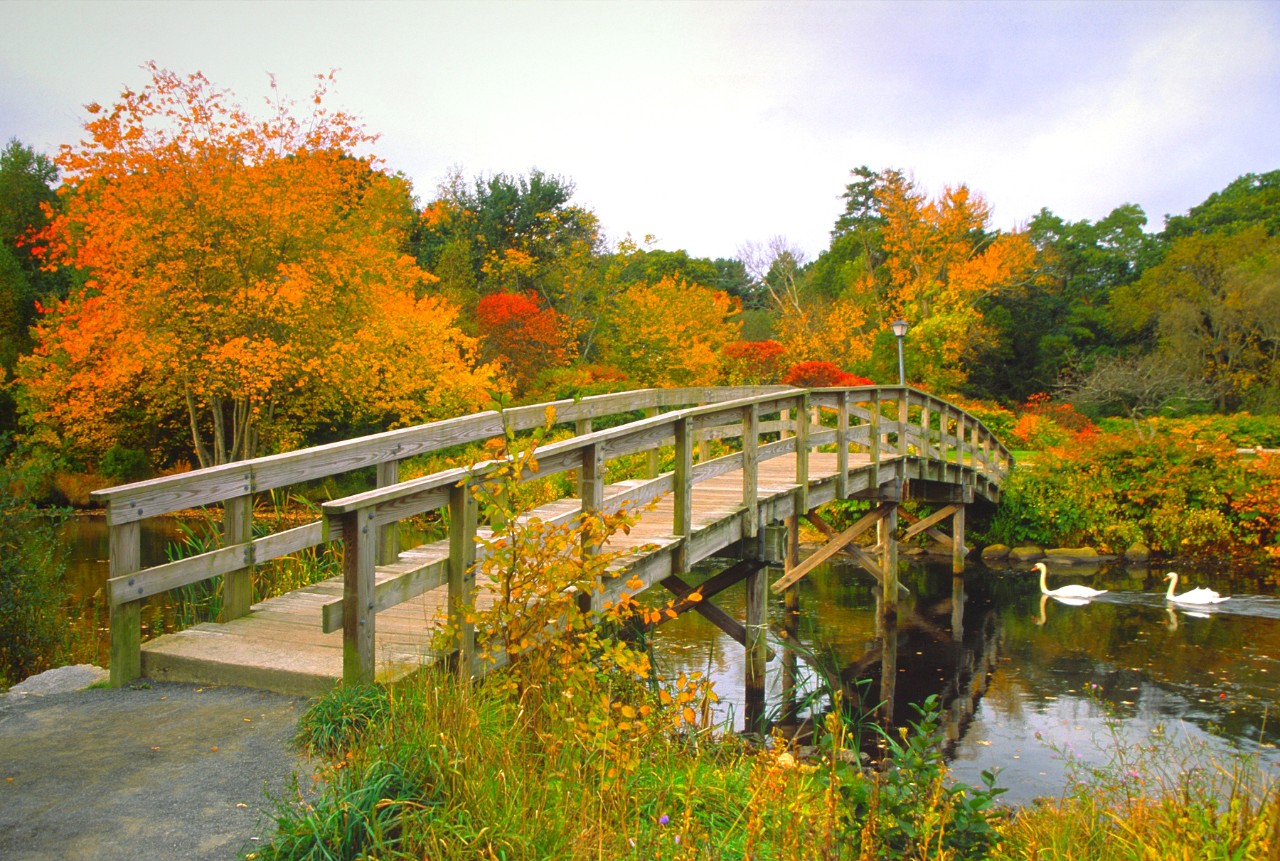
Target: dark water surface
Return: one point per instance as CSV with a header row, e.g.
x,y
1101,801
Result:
x,y
1029,684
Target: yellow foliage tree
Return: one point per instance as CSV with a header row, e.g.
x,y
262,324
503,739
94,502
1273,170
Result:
x,y
671,333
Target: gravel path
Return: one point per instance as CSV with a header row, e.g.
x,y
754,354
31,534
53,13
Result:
x,y
153,771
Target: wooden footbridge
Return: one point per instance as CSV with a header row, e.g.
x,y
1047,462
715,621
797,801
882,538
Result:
x,y
745,464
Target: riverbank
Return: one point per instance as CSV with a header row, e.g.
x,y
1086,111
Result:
x,y
150,771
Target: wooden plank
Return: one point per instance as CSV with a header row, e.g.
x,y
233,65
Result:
x,y
200,487
183,572
831,548
925,523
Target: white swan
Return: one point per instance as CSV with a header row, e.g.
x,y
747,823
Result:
x,y
1073,591
1195,596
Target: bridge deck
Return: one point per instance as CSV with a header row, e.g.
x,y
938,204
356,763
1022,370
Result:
x,y
280,645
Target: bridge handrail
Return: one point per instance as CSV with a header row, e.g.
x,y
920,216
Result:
x,y
971,443
356,518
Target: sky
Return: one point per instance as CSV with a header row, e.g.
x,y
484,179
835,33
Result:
x,y
710,125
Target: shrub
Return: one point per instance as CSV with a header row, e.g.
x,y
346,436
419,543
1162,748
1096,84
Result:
x,y
817,375
1178,485
122,464
33,637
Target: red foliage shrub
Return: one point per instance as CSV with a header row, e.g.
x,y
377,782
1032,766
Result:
x,y
751,362
816,375
524,337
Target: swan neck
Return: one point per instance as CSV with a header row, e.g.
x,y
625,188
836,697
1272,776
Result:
x,y
1044,586
1173,584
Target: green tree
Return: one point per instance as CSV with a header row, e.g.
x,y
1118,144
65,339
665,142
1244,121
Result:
x,y
1250,199
27,181
1059,325
1210,303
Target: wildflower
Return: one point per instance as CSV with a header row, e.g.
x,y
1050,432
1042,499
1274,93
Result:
x,y
663,819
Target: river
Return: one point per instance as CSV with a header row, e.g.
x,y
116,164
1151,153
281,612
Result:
x,y
1031,686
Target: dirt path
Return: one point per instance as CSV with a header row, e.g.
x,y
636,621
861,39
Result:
x,y
159,771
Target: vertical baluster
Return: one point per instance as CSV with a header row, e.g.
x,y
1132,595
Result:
x,y
751,469
125,615
842,445
651,466
462,576
359,556
683,491
237,528
802,455
389,535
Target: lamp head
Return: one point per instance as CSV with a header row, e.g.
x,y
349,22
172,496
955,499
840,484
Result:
x,y
899,327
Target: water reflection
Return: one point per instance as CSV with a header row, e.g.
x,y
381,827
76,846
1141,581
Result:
x,y
1009,666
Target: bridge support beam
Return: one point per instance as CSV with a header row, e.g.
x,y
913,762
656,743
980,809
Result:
x,y
888,616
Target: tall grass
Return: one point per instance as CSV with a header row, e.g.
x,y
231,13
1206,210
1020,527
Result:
x,y
1159,797
199,602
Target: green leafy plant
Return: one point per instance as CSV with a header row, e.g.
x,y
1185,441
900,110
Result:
x,y
332,724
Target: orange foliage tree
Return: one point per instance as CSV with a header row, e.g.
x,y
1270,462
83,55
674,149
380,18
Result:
x,y
672,333
523,336
235,266
940,262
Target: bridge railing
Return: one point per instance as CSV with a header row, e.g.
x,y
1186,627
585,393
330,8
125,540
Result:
x,y
860,424
233,486
924,426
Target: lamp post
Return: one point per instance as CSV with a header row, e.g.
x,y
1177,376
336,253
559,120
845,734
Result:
x,y
899,327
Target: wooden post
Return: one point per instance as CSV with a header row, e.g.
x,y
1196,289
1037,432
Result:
x,y
802,455
389,535
651,467
126,616
875,437
842,445
887,534
683,491
582,428
957,541
592,487
903,415
926,430
756,646
359,556
791,595
751,470
462,576
237,528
